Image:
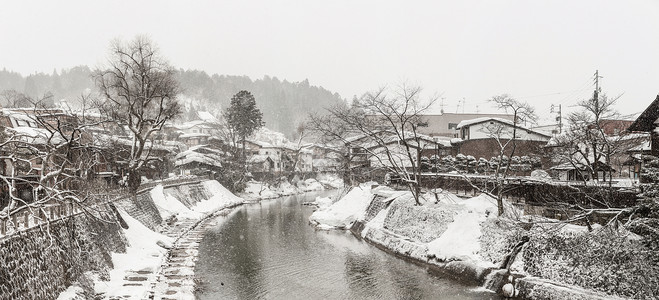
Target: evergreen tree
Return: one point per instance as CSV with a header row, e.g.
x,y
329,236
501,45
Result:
x,y
243,117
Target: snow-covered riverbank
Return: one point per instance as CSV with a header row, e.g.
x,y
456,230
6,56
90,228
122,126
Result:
x,y
466,239
256,190
136,271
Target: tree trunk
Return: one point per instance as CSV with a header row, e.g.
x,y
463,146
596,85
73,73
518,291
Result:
x,y
500,187
134,181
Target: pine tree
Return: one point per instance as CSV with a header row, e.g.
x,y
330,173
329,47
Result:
x,y
243,117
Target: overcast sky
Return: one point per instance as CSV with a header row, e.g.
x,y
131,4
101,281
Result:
x,y
544,52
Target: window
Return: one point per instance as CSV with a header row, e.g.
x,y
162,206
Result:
x,y
452,125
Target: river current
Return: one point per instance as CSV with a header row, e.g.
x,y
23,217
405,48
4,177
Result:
x,y
268,250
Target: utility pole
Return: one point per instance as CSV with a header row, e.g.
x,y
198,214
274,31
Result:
x,y
441,105
597,91
597,120
559,119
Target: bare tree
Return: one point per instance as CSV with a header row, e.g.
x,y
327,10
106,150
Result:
x,y
13,98
587,147
506,138
386,124
139,92
46,157
301,133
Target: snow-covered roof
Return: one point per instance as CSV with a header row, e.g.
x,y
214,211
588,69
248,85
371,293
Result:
x,y
203,149
444,141
194,123
206,116
390,138
195,157
258,158
166,146
18,115
193,135
483,119
35,135
500,120
260,143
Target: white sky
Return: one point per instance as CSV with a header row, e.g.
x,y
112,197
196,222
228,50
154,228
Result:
x,y
543,52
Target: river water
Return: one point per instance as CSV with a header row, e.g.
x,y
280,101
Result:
x,y
268,250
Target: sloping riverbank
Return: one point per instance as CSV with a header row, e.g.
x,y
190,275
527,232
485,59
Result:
x,y
160,233
136,271
465,239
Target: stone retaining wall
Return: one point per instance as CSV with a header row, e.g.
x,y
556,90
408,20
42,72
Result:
x,y
41,262
142,208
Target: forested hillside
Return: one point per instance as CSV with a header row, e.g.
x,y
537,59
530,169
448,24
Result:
x,y
284,104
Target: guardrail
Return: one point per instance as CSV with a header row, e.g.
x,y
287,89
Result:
x,y
30,217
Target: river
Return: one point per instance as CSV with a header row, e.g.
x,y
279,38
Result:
x,y
268,250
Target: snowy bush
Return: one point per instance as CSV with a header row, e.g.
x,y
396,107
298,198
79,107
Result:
x,y
499,238
609,260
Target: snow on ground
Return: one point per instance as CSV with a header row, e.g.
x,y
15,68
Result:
x,y
72,292
285,188
258,190
168,205
460,241
330,181
221,198
310,185
142,254
323,202
345,211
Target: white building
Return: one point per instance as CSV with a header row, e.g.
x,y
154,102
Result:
x,y
486,128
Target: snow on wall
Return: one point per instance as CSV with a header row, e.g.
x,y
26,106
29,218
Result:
x,y
346,211
420,223
41,262
142,208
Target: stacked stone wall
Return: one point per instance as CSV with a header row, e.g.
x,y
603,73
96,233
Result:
x,y
420,223
143,209
375,207
189,194
41,262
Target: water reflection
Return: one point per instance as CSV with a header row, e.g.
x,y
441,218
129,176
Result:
x,y
269,251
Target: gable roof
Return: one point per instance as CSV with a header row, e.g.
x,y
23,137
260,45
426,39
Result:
x,y
500,120
645,122
482,120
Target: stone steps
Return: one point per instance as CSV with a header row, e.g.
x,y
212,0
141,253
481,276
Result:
x,y
177,275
